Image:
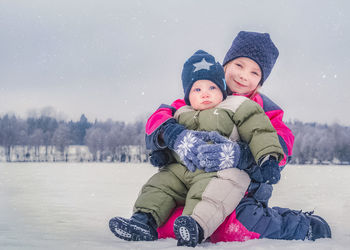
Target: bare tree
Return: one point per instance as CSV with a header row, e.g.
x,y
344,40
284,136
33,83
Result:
x,y
61,139
36,140
94,139
8,134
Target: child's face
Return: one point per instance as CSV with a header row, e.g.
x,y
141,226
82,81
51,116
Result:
x,y
242,75
205,94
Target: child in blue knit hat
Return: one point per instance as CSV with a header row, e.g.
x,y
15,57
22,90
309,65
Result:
x,y
209,196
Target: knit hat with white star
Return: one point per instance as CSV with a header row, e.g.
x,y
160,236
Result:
x,y
202,66
256,46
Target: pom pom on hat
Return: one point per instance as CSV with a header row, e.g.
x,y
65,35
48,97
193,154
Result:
x,y
256,46
202,66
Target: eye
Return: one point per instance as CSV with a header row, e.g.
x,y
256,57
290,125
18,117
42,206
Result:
x,y
212,87
255,73
196,89
239,65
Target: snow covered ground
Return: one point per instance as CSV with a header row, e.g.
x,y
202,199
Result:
x,y
68,206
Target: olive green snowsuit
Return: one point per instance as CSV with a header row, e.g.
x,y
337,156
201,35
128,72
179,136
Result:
x,y
210,197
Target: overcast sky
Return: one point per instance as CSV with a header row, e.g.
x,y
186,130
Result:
x,y
122,59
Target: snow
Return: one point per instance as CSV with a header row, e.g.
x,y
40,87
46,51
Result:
x,y
68,206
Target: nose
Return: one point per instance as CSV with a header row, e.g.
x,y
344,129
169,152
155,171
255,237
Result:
x,y
205,94
242,76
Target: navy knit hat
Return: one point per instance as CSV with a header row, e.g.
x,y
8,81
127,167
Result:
x,y
256,46
202,66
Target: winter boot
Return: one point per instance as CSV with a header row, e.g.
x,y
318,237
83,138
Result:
x,y
318,227
140,227
187,231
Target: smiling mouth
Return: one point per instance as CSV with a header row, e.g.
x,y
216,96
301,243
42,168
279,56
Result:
x,y
239,84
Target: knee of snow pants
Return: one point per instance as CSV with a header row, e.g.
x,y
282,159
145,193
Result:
x,y
160,195
261,192
220,197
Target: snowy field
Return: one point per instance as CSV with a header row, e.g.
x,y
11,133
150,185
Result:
x,y
68,206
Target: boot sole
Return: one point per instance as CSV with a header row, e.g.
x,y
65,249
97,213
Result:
x,y
129,231
186,231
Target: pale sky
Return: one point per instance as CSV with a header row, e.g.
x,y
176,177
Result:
x,y
122,59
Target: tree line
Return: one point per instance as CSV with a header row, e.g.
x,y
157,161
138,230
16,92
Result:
x,y
118,141
320,143
106,140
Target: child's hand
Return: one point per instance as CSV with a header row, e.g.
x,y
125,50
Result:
x,y
159,158
215,137
268,172
186,146
215,157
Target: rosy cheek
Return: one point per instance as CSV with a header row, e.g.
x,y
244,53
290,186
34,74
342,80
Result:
x,y
230,82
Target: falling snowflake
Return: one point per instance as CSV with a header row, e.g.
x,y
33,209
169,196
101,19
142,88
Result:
x,y
185,145
226,156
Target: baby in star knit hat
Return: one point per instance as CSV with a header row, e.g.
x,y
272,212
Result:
x,y
212,193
